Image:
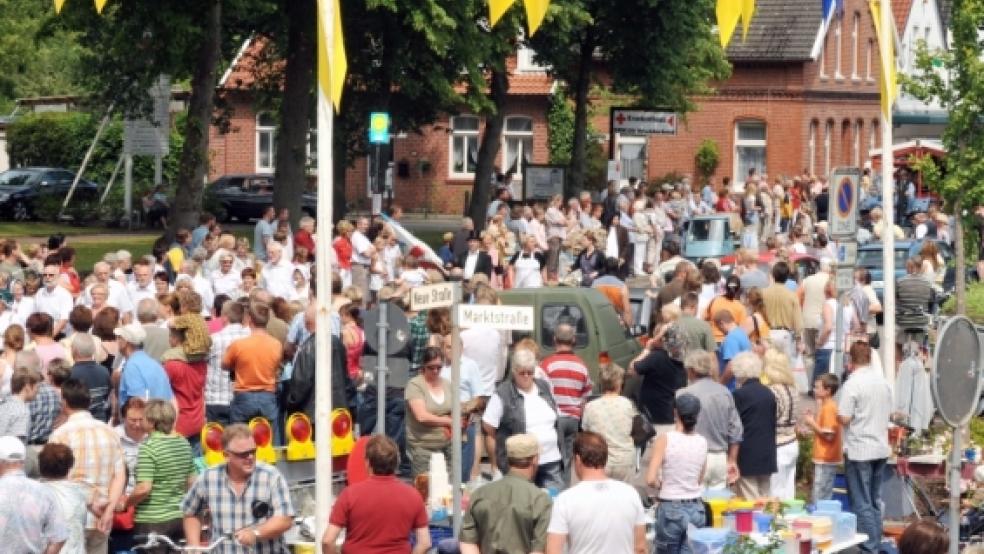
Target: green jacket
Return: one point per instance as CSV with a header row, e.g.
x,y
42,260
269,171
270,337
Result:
x,y
507,516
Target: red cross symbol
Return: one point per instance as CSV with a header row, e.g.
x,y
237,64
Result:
x,y
620,119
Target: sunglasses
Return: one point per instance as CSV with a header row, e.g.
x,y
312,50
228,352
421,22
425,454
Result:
x,y
245,454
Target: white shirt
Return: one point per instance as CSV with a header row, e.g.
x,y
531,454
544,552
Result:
x,y
278,279
471,260
485,346
540,422
226,283
471,384
598,516
57,303
117,298
22,309
867,399
359,246
138,293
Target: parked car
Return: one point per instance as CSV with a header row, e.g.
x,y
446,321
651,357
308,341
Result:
x,y
245,196
708,236
870,257
804,265
22,190
598,329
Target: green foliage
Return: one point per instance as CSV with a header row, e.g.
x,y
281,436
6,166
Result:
x,y
707,158
560,126
671,178
975,303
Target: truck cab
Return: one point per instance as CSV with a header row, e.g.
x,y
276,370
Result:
x,y
598,328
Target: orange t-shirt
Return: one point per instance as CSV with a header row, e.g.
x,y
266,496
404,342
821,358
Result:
x,y
828,451
255,360
719,303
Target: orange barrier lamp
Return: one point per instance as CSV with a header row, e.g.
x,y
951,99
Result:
x,y
299,444
263,435
342,440
211,439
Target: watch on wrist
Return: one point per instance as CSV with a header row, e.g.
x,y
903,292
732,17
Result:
x,y
256,534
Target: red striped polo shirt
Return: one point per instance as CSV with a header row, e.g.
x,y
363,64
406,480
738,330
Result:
x,y
570,381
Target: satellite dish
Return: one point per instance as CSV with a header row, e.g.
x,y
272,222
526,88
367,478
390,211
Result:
x,y
398,334
956,378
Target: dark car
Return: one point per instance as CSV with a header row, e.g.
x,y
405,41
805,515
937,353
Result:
x,y
245,196
22,189
870,258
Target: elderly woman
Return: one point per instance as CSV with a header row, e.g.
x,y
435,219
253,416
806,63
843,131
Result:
x,y
527,268
780,379
165,471
662,375
524,404
756,407
611,417
343,250
100,296
21,305
429,422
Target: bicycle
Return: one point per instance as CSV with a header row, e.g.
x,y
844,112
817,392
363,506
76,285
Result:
x,y
153,540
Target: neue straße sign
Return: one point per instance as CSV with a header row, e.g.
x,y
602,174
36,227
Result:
x,y
441,295
643,122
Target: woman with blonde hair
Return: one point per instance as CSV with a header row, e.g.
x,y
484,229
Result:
x,y
611,417
756,325
777,373
492,249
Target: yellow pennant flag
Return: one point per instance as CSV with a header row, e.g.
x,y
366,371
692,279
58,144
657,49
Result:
x,y
747,10
58,5
728,12
100,4
331,73
497,8
535,12
888,81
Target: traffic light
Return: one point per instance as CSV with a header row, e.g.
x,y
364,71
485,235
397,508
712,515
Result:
x,y
299,443
263,435
342,440
211,439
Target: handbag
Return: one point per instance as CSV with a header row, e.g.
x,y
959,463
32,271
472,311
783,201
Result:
x,y
123,521
642,428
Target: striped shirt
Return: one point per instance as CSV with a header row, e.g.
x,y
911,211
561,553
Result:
x,y
867,399
97,450
229,512
569,380
43,409
164,461
218,383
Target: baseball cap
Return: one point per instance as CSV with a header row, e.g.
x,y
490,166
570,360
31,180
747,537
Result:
x,y
133,333
522,446
687,405
12,449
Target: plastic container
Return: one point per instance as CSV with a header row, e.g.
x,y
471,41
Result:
x,y
833,506
793,505
803,529
711,494
718,507
744,521
845,526
763,522
730,522
708,540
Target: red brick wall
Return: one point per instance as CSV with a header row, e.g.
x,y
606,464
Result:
x,y
234,151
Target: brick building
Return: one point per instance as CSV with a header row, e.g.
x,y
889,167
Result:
x,y
803,95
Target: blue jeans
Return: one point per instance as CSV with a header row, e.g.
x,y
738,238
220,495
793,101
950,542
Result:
x,y
247,405
821,363
672,519
549,476
567,428
468,452
823,481
864,481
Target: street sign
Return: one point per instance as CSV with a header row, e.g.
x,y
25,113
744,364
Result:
x,y
519,318
379,124
397,327
843,202
542,181
847,253
151,136
956,378
441,295
643,122
844,279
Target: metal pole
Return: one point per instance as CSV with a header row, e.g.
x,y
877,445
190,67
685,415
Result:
x,y
128,189
955,456
888,207
456,415
322,249
112,179
382,327
838,361
85,160
158,169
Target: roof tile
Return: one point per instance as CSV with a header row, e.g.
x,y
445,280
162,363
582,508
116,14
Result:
x,y
781,30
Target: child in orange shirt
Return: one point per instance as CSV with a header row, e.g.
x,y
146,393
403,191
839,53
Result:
x,y
827,450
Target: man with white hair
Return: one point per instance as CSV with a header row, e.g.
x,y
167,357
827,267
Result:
x,y
123,271
142,286
362,251
718,421
277,275
32,517
226,279
756,406
201,285
118,297
53,299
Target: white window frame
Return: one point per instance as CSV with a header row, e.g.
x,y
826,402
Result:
x,y
625,140
873,133
823,59
812,141
856,41
506,135
526,62
261,130
838,34
452,136
750,143
828,130
869,52
856,146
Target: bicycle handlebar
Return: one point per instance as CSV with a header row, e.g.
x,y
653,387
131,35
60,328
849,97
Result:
x,y
150,540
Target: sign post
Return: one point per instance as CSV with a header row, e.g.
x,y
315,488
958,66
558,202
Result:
x,y
379,127
843,218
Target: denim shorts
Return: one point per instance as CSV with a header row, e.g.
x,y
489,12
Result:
x,y
672,519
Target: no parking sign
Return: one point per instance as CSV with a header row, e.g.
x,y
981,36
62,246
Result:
x,y
843,190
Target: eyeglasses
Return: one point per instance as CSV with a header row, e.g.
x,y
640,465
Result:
x,y
242,455
50,275
433,366
525,372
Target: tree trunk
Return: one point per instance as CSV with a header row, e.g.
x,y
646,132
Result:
x,y
489,148
961,277
339,165
193,168
295,109
581,89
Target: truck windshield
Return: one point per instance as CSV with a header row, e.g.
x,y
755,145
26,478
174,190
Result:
x,y
707,230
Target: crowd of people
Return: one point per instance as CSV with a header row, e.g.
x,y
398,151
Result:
x,y
107,378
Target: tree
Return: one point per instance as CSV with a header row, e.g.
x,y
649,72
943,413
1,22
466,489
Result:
x,y
675,58
955,80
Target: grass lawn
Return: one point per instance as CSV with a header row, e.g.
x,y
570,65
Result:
x,y
14,229
90,250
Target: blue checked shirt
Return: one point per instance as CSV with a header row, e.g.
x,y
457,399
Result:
x,y
43,409
229,512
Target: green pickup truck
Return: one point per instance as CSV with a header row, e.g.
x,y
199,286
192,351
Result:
x,y
598,328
